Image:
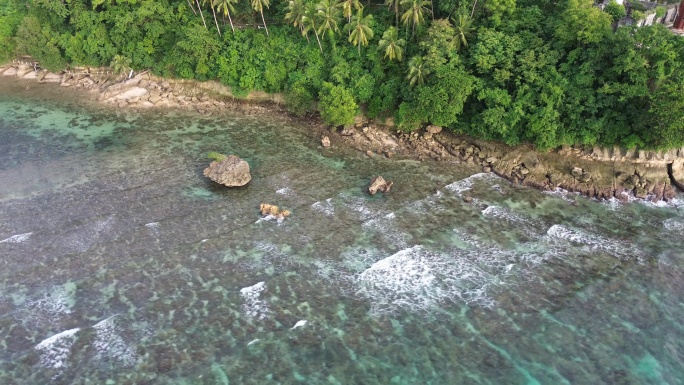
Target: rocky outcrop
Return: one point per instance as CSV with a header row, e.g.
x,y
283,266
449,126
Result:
x,y
379,183
325,141
676,170
610,174
231,171
592,171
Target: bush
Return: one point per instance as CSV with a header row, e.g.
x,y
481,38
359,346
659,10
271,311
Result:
x,y
337,105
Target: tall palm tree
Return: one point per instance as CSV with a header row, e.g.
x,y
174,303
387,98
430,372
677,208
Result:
x,y
464,29
310,22
227,7
392,44
258,5
360,29
201,14
394,4
415,12
348,7
328,14
418,71
211,5
295,14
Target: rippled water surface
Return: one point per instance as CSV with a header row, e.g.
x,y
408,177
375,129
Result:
x,y
122,264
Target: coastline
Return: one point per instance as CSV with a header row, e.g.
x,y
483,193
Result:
x,y
597,172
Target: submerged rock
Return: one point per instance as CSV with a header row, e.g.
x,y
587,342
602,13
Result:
x,y
231,171
379,183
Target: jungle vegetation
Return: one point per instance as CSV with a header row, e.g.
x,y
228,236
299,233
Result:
x,y
518,71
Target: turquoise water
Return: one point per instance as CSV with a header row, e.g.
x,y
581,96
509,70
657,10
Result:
x,y
121,264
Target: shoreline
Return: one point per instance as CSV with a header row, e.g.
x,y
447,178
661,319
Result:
x,y
597,173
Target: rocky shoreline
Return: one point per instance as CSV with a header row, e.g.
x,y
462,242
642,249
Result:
x,y
594,172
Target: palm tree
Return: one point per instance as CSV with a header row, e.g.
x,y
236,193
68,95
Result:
x,y
395,5
464,29
295,14
120,64
360,29
258,5
227,7
348,6
201,14
418,71
310,22
392,45
328,14
211,5
415,10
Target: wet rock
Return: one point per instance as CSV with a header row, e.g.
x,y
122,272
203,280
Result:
x,y
325,141
231,171
379,183
486,169
468,199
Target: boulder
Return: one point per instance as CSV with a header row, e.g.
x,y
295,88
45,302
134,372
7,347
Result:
x,y
432,129
230,171
325,141
379,183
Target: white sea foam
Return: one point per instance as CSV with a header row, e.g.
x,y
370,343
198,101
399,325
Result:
x,y
109,343
325,207
152,225
419,280
55,350
590,242
299,324
19,238
466,184
673,224
253,306
563,194
252,342
285,191
53,303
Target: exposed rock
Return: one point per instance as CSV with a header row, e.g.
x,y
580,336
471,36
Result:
x,y
576,172
270,211
231,171
678,173
325,141
379,183
10,72
432,129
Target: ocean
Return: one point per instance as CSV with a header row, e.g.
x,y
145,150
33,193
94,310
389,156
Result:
x,y
120,263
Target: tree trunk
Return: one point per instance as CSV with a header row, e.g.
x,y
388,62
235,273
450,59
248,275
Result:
x,y
216,21
231,22
193,8
262,19
319,41
679,21
201,14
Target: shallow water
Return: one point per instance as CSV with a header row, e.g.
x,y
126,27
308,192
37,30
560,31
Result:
x,y
122,264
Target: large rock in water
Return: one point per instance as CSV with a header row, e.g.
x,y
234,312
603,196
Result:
x,y
231,171
379,184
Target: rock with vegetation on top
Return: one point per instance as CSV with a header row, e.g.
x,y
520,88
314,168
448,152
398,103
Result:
x,y
228,170
379,183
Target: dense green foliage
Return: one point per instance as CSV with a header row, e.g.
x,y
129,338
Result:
x,y
547,73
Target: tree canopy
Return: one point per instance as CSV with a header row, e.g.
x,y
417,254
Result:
x,y
533,71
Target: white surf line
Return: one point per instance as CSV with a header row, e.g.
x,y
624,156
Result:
x,y
19,238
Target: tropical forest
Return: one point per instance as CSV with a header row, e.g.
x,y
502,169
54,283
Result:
x,y
517,71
